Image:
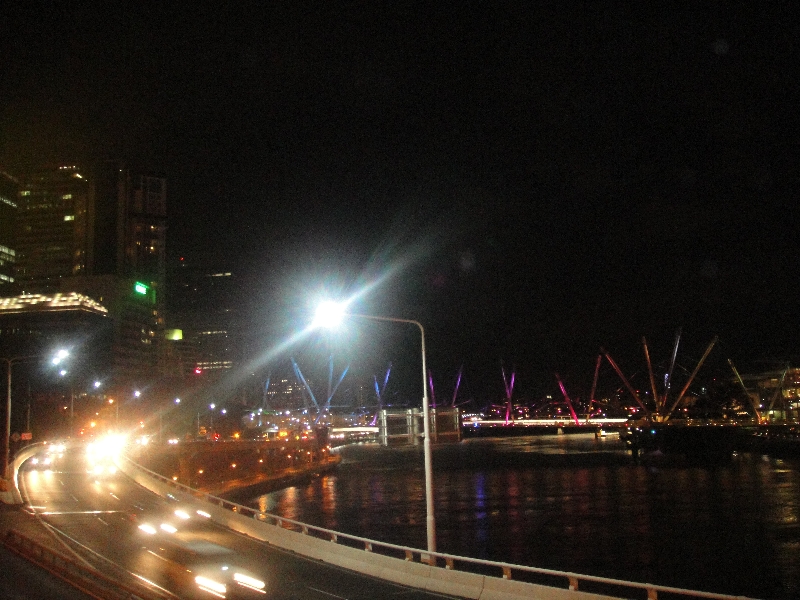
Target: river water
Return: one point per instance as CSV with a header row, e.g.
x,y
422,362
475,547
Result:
x,y
573,503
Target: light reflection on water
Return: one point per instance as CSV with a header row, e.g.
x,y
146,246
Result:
x,y
573,503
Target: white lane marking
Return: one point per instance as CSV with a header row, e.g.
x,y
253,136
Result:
x,y
326,593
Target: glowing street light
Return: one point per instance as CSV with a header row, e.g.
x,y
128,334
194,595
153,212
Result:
x,y
116,406
330,314
60,355
63,373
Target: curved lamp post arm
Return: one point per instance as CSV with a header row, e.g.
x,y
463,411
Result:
x,y
426,428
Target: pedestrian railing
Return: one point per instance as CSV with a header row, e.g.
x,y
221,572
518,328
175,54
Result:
x,y
600,587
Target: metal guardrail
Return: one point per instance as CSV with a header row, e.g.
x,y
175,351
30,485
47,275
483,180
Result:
x,y
500,570
88,580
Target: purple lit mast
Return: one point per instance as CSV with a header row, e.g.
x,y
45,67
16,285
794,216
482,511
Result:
x,y
509,385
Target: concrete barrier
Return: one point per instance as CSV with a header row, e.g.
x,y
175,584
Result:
x,y
9,489
397,570
413,571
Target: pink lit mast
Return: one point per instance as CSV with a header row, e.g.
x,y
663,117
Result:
x,y
592,400
458,383
509,385
627,384
569,402
430,387
455,390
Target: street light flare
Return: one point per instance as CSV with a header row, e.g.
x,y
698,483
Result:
x,y
60,355
329,314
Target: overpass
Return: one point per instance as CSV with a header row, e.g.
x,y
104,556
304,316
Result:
x,y
436,573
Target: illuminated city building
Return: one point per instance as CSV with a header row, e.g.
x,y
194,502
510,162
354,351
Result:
x,y
777,393
8,212
204,302
99,232
33,327
50,228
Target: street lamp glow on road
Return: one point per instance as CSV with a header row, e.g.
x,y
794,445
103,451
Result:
x,y
330,314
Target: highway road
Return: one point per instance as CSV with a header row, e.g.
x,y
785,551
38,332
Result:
x,y
119,527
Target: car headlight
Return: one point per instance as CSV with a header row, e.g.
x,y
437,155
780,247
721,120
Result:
x,y
209,585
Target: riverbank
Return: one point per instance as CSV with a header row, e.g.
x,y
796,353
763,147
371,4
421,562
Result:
x,y
247,487
573,503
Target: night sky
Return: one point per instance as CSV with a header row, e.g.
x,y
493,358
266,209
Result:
x,y
532,181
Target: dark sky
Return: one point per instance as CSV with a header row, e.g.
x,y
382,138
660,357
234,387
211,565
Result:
x,y
541,178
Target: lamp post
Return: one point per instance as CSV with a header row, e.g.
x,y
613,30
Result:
x,y
63,373
329,314
7,433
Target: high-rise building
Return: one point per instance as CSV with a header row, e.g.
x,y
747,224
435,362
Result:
x,y
205,304
107,220
127,223
8,214
100,232
51,228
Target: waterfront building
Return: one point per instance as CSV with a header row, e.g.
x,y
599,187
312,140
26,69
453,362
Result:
x,y
9,190
777,393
